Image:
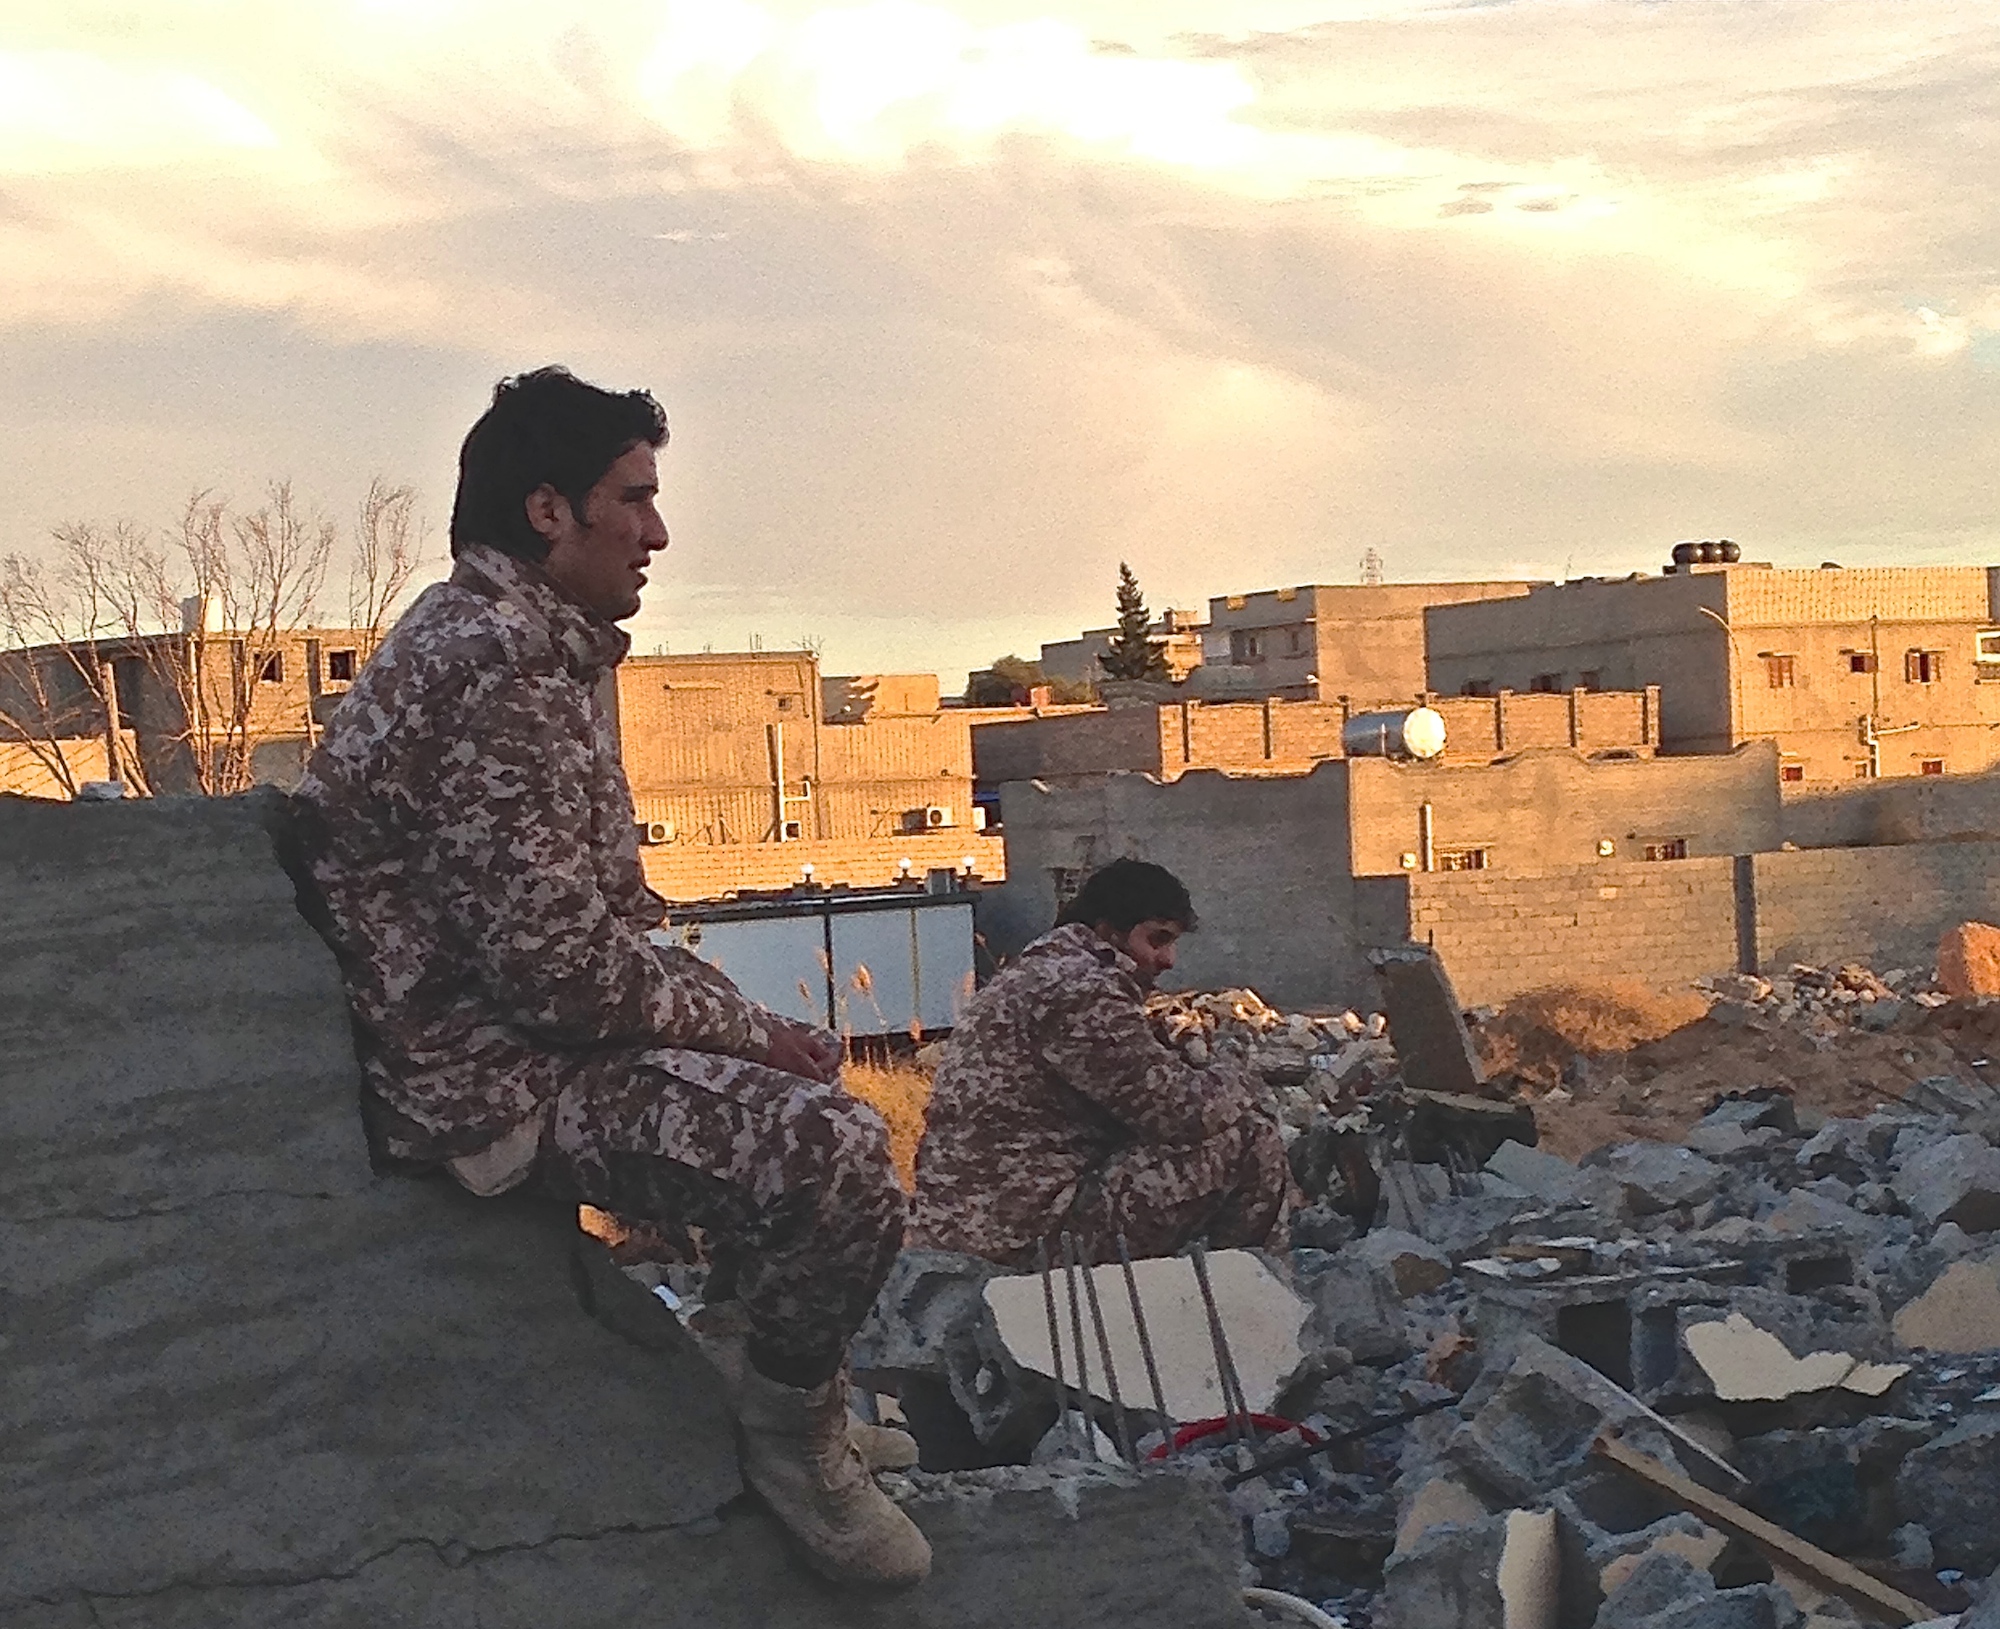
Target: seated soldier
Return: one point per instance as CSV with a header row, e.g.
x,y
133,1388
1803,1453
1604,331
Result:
x,y
471,833
1058,1108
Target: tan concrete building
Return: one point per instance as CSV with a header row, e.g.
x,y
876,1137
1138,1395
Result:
x,y
1884,671
1322,642
750,771
1168,740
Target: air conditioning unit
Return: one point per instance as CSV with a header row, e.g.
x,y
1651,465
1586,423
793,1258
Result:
x,y
936,816
791,831
979,817
657,831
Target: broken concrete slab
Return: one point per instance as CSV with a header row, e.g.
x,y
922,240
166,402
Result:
x,y
1952,1097
1440,1501
1747,1364
1657,1177
1502,1572
164,995
1952,1486
1551,1178
1533,1428
248,1382
1427,1023
1263,1317
1956,1179
284,1387
1157,1551
1960,1312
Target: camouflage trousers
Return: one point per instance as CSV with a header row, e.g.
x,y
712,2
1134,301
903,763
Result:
x,y
1233,1191
789,1180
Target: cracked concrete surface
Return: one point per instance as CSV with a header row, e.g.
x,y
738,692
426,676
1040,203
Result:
x,y
251,1383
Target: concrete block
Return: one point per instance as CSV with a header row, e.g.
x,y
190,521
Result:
x,y
1747,1364
1533,1430
1427,1024
1954,1180
1952,1486
1658,1177
1440,1501
1503,1572
1551,1178
1354,1306
1960,1312
1264,1319
1968,960
1412,1265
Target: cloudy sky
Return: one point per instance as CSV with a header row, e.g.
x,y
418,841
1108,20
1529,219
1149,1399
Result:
x,y
955,305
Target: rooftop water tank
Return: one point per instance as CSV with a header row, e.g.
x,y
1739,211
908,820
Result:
x,y
1412,732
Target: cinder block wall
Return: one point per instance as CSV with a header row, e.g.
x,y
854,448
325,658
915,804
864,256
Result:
x,y
1503,932
1882,906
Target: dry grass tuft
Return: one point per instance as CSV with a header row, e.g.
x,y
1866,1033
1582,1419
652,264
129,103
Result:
x,y
900,1093
1536,1034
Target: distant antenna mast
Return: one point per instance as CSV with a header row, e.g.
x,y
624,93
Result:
x,y
1371,569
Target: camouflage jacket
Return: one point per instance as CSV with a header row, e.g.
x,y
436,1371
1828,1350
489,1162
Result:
x,y
469,826
1053,1068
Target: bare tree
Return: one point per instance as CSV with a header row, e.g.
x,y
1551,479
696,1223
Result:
x,y
389,547
65,629
205,616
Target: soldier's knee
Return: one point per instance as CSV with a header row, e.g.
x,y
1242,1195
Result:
x,y
857,1149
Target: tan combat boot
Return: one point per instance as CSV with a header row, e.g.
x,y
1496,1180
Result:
x,y
722,1337
798,1456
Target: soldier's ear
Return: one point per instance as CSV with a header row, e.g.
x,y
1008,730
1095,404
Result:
x,y
549,513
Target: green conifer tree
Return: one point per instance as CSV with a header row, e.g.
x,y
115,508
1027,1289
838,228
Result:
x,y
1134,653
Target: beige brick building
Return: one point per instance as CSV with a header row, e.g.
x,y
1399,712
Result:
x,y
1323,642
1884,671
1167,740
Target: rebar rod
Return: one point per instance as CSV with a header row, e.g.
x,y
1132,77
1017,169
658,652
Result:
x,y
1233,1404
1120,1432
1146,1349
1055,1335
1084,1399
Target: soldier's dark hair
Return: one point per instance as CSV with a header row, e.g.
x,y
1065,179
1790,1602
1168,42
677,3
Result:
x,y
1128,892
544,428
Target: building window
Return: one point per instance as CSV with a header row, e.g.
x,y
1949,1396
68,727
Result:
x,y
1461,859
1295,641
271,667
1931,766
1922,666
1546,684
1476,687
1861,661
1863,770
1668,848
1986,652
1590,679
1245,645
1780,671
1791,772
340,666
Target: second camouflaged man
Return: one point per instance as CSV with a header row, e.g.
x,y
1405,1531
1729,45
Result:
x,y
1057,1108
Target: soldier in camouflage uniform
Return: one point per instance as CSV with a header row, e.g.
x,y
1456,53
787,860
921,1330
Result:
x,y
1057,1107
471,832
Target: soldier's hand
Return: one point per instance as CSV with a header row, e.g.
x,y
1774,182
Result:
x,y
800,1050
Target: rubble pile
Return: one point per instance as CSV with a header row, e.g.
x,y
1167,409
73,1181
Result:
x,y
1748,1378
1824,1000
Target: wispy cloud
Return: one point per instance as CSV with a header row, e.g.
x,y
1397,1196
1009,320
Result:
x,y
957,304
